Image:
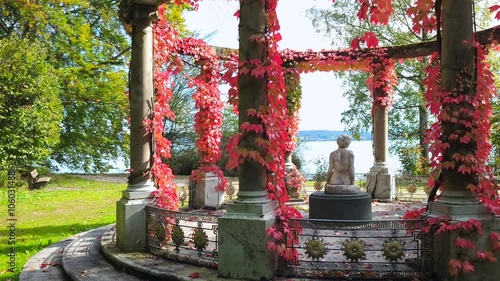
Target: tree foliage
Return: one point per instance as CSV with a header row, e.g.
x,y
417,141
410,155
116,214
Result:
x,y
30,110
87,48
408,117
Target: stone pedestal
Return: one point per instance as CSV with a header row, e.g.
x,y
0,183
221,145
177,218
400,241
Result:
x,y
340,206
243,253
341,188
444,243
131,217
380,182
288,162
206,196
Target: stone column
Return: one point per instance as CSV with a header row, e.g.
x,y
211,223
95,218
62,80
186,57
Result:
x,y
242,230
130,210
456,201
457,63
379,181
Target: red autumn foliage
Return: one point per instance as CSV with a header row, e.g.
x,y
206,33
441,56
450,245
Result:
x,y
423,18
276,125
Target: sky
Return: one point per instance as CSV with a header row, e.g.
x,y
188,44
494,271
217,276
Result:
x,y
322,101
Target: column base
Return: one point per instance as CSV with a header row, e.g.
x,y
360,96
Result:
x,y
243,238
459,208
380,183
252,197
131,217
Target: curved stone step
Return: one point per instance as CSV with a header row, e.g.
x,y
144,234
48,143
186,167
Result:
x,y
153,267
47,264
83,261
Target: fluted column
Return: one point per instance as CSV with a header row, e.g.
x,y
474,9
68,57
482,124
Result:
x,y
141,93
131,216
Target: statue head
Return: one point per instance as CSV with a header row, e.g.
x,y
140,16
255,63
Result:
x,y
343,141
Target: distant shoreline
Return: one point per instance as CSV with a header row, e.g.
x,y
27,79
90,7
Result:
x,y
326,135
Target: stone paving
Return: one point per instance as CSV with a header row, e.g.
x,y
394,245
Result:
x,y
93,255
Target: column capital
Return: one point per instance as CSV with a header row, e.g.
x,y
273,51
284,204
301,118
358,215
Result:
x,y
128,8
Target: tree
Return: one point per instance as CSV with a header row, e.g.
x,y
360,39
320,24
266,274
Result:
x,y
229,128
30,109
495,120
181,130
87,45
408,118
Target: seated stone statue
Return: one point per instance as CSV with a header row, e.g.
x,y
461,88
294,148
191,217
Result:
x,y
340,174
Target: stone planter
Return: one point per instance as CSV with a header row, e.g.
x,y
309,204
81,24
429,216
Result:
x,y
205,194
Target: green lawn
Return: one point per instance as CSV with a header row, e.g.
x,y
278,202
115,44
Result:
x,y
69,205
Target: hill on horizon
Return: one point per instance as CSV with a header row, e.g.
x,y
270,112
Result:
x,y
327,135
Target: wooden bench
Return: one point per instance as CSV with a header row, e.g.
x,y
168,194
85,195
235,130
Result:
x,y
36,182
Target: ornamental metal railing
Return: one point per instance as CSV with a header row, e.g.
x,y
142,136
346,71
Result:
x,y
186,237
385,249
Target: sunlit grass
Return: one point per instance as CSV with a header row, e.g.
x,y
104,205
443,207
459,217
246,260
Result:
x,y
67,206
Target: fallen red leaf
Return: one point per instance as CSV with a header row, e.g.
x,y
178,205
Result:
x,y
194,275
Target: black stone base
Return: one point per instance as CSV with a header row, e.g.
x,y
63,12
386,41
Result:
x,y
340,206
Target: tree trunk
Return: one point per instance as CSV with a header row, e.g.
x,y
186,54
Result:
x,y
423,117
423,125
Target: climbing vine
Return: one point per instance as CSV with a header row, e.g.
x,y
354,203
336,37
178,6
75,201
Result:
x,y
475,112
279,121
165,46
168,45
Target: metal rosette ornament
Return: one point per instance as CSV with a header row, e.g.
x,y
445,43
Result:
x,y
315,248
177,237
354,249
200,239
393,250
160,232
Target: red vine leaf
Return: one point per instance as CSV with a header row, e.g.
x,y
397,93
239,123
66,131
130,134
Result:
x,y
355,44
370,39
453,266
495,8
467,267
486,256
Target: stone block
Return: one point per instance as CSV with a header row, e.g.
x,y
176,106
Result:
x,y
206,196
445,249
131,224
243,253
380,183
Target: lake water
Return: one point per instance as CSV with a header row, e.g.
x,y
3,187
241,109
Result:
x,y
363,155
